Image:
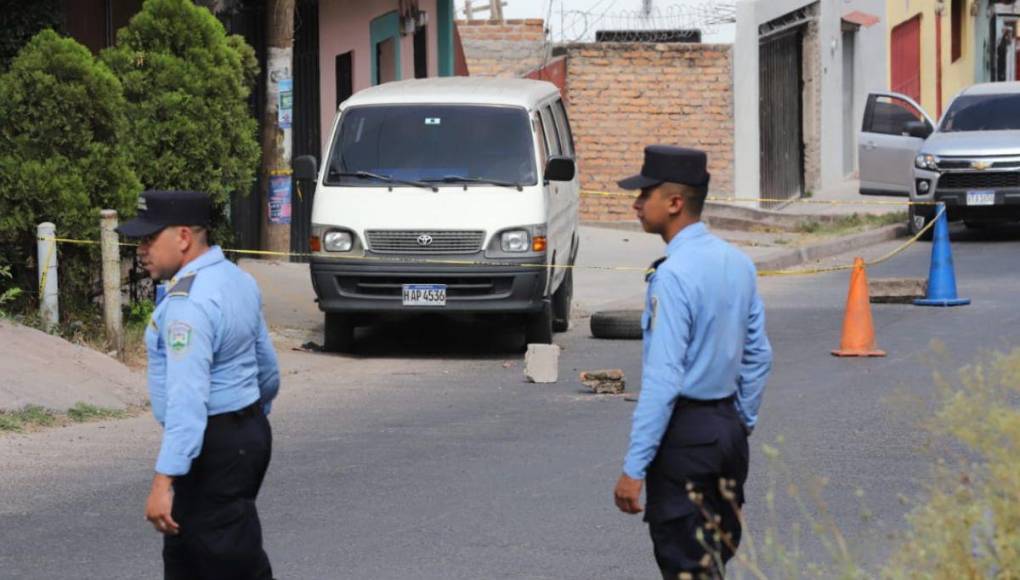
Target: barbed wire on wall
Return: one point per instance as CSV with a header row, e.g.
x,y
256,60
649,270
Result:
x,y
656,25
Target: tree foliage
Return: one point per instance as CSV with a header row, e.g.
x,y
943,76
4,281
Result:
x,y
61,160
187,85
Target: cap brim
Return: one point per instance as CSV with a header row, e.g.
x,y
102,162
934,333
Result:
x,y
138,228
638,182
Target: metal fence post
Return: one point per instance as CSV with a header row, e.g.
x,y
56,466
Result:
x,y
112,313
46,256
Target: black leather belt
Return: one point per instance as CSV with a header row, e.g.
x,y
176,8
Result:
x,y
249,411
688,402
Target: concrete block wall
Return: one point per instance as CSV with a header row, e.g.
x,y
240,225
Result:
x,y
511,48
623,96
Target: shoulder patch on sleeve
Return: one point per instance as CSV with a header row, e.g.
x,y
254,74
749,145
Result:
x,y
178,337
183,286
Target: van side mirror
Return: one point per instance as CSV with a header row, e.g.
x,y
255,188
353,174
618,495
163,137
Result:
x,y
919,129
306,167
560,169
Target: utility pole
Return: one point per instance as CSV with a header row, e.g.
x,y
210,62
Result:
x,y
276,173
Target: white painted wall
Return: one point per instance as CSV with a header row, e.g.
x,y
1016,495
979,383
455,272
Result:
x,y
871,74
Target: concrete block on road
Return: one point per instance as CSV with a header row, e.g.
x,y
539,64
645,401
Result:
x,y
542,363
897,290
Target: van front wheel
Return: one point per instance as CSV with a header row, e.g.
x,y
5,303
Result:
x,y
339,332
539,326
562,298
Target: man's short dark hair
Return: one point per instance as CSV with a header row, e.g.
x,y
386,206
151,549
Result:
x,y
201,233
694,196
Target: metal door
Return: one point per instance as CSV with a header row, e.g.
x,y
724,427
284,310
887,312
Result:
x,y
780,113
306,118
906,58
887,152
849,127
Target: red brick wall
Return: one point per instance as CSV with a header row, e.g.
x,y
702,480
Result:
x,y
511,48
554,72
623,96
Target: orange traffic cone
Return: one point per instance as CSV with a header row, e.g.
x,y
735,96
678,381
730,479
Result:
x,y
858,329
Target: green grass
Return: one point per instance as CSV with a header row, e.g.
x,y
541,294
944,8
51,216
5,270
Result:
x,y
32,417
851,223
27,417
82,412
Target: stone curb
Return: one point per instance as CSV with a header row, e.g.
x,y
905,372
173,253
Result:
x,y
783,259
829,248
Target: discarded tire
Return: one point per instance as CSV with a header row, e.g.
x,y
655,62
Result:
x,y
619,324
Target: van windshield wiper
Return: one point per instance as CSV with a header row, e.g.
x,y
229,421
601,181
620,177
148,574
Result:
x,y
481,180
383,178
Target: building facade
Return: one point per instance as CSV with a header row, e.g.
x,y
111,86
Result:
x,y
365,43
802,71
932,52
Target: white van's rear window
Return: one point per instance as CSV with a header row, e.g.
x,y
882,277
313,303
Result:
x,y
433,143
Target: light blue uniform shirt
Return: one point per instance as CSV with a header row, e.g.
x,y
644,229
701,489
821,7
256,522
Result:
x,y
209,353
704,338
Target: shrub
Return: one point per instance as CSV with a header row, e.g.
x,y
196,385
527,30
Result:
x,y
969,524
187,85
61,158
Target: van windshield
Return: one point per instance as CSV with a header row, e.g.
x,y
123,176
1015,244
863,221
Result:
x,y
434,143
983,113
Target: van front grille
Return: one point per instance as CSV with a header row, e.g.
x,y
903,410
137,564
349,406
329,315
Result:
x,y
424,242
391,286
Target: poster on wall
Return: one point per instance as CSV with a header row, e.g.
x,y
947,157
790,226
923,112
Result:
x,y
285,106
279,199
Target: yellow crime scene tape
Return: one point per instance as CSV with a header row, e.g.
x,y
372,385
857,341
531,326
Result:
x,y
776,200
454,262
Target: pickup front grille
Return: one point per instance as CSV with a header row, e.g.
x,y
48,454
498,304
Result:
x,y
424,242
980,180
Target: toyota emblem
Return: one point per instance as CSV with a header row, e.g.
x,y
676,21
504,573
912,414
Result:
x,y
424,240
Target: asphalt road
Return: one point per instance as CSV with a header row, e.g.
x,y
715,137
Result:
x,y
428,456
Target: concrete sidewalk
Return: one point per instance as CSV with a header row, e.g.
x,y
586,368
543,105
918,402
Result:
x,y
840,200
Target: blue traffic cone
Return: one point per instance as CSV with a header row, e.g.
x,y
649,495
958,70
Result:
x,y
941,276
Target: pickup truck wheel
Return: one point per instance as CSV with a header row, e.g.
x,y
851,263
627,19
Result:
x,y
916,220
339,333
620,324
561,303
539,326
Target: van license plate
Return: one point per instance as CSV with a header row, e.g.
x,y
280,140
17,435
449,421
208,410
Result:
x,y
981,197
424,295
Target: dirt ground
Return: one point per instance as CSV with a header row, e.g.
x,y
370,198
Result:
x,y
40,369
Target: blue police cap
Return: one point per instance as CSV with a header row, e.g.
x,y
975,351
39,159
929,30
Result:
x,y
160,209
673,164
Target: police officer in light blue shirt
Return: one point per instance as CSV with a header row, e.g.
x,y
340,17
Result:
x,y
212,378
706,359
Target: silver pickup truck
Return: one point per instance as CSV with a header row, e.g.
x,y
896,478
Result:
x,y
970,160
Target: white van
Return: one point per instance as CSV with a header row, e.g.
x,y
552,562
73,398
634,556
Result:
x,y
450,195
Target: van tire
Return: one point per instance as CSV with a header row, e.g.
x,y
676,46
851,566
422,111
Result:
x,y
339,333
561,302
618,324
539,325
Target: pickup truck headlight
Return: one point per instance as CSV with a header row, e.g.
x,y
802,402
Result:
x,y
338,241
927,161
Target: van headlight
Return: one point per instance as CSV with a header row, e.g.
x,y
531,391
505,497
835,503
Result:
x,y
518,241
515,241
927,161
337,241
